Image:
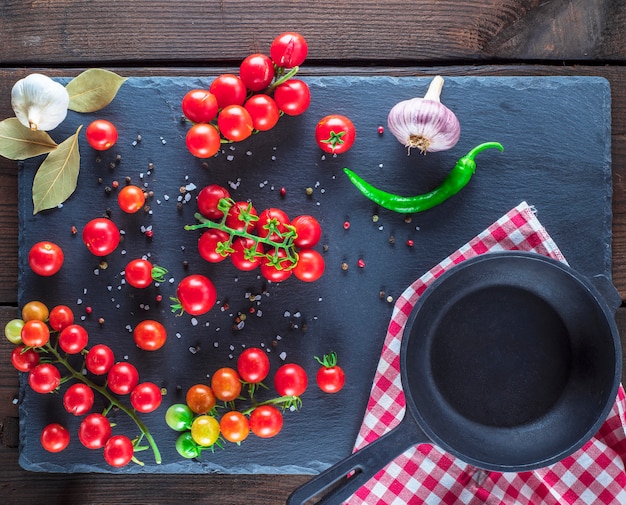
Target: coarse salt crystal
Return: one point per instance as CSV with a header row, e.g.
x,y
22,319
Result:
x,y
283,355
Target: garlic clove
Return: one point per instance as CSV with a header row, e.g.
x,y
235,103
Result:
x,y
39,102
425,123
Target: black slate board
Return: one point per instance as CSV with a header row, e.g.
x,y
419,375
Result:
x,y
556,134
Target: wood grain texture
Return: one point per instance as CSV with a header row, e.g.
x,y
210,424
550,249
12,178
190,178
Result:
x,y
157,31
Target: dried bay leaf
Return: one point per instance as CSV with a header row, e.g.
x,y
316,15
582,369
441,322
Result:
x,y
19,143
93,89
57,176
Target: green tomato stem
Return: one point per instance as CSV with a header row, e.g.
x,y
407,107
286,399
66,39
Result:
x,y
283,78
113,401
285,242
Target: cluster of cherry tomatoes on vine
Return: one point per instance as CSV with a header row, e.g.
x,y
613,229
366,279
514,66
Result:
x,y
235,106
269,240
46,338
204,423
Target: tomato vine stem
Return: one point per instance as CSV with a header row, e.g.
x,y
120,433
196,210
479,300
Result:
x,y
285,240
113,401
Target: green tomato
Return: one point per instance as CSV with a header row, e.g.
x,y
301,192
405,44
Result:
x,y
179,417
205,430
186,447
13,331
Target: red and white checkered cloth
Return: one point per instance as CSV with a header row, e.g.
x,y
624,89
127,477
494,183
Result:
x,y
425,474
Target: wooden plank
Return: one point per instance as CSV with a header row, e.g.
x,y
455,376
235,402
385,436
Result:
x,y
615,74
153,31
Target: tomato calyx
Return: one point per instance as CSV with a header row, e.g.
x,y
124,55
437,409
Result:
x,y
334,140
158,273
328,361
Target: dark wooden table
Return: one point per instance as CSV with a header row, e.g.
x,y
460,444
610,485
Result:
x,y
161,37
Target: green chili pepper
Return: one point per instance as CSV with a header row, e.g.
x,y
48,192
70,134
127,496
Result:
x,y
458,177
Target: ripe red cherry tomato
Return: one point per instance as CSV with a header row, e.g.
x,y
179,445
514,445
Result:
x,y
118,451
35,333
213,245
203,140
199,106
60,317
239,214
146,397
229,89
101,236
209,198
226,384
73,339
94,431
289,50
54,437
24,359
335,134
45,258
308,230
277,268
266,421
293,97
246,254
131,199
290,380
99,359
257,71
263,110
272,224
234,426
78,399
150,335
310,265
101,134
235,123
138,273
44,378
330,377
253,365
122,378
196,294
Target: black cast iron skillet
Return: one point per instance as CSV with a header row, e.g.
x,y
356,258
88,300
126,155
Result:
x,y
510,361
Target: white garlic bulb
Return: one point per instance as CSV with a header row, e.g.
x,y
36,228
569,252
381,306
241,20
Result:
x,y
39,102
425,123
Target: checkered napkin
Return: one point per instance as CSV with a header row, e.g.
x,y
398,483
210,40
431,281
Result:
x,y
595,474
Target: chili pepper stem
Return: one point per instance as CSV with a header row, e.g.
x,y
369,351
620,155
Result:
x,y
482,147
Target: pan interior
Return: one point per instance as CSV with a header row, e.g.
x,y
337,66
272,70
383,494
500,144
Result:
x,y
495,374
510,362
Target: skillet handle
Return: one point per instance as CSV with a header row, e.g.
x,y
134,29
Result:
x,y
607,291
366,463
